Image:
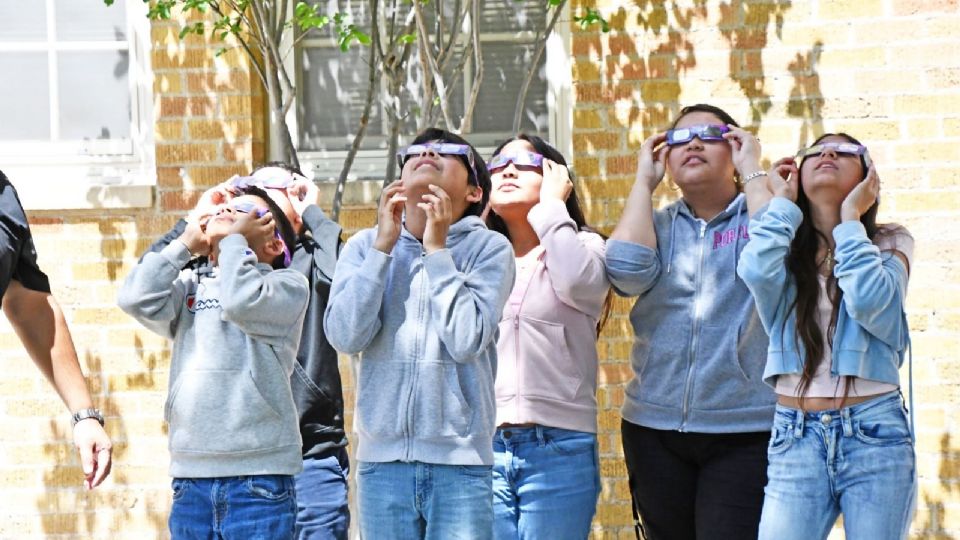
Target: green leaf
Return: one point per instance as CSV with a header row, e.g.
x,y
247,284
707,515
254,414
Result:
x,y
408,38
592,17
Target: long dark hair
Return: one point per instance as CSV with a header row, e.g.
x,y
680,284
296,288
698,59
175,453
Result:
x,y
803,265
545,149
479,177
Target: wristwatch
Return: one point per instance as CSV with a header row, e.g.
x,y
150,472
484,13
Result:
x,y
83,414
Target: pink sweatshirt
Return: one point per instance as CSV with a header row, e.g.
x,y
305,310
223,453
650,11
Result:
x,y
547,350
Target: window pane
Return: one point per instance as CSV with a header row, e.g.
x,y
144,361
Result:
x,y
333,91
505,65
25,99
498,16
23,21
91,20
94,95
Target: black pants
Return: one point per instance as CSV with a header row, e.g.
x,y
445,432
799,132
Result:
x,y
696,485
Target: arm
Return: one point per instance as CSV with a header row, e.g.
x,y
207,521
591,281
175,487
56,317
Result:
x,y
153,292
326,235
745,148
762,264
262,305
574,260
636,222
874,284
467,306
631,268
352,318
39,323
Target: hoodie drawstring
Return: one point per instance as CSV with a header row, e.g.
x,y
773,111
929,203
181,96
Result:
x,y
736,236
673,228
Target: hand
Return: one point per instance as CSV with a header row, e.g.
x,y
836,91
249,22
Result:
x,y
302,193
194,237
257,230
651,162
746,150
861,197
784,179
556,181
390,216
439,212
209,201
96,451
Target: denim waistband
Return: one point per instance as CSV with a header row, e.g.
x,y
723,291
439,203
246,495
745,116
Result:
x,y
839,417
537,433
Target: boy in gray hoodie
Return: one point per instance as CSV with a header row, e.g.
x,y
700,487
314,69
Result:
x,y
235,325
418,298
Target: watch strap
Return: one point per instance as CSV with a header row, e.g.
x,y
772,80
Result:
x,y
83,414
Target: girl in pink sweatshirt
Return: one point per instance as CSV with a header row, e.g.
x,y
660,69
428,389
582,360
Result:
x,y
546,472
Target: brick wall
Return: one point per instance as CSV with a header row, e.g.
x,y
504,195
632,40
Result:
x,y
886,71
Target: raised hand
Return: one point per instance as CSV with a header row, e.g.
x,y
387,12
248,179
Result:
x,y
195,237
651,161
302,193
746,150
556,181
861,197
257,230
784,178
439,210
390,216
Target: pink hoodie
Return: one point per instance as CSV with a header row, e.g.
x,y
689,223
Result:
x,y
547,350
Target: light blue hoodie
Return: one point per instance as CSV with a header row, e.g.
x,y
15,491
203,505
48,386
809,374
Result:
x,y
871,337
699,349
425,329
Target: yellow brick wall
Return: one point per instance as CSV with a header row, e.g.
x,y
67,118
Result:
x,y
887,71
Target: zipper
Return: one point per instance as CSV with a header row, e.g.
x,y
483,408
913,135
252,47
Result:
x,y
516,333
694,338
411,393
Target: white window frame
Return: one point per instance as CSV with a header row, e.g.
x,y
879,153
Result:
x,y
96,174
325,165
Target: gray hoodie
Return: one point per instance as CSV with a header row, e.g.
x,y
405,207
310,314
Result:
x,y
425,329
700,349
235,331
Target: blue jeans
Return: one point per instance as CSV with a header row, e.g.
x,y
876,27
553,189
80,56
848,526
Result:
x,y
233,508
322,509
858,461
545,483
415,500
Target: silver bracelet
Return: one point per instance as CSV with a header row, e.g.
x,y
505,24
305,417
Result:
x,y
753,175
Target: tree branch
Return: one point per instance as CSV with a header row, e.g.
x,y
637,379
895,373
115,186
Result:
x,y
541,45
428,64
466,123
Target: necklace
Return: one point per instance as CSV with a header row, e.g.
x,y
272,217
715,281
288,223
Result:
x,y
828,261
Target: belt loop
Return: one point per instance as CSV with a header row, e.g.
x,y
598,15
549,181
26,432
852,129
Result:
x,y
541,440
798,425
847,423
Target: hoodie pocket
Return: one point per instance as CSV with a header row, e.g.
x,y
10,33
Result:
x,y
548,371
220,411
441,410
380,398
721,382
659,361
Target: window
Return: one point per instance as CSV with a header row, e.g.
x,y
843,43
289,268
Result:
x,y
73,101
332,88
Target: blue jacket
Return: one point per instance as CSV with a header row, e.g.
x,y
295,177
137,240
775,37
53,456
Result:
x,y
871,335
424,328
699,348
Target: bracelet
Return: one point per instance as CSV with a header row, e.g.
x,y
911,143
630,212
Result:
x,y
753,175
83,414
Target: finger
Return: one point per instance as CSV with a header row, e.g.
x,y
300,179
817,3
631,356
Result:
x,y
655,139
428,210
104,459
439,192
87,461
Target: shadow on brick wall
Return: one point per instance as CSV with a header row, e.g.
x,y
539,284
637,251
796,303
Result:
x,y
64,507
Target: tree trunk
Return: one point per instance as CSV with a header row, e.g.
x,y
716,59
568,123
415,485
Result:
x,y
279,140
